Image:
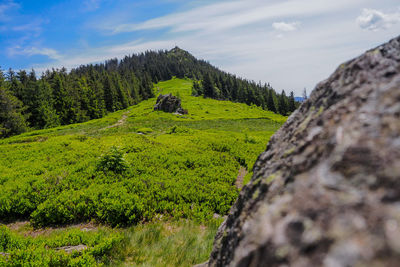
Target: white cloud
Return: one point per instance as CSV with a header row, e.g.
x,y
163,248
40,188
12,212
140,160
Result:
x,y
5,8
373,20
233,36
232,14
285,27
30,51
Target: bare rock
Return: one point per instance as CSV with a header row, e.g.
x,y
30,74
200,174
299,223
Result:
x,y
70,249
326,192
169,103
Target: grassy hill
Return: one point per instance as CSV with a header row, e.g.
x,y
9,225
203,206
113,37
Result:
x,y
167,174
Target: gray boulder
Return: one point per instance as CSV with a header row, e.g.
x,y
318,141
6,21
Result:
x,y
326,192
169,103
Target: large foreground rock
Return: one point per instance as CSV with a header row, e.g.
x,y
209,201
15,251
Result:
x,y
327,189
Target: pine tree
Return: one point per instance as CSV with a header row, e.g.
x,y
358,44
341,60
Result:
x,y
11,119
208,86
110,93
282,105
122,94
270,101
292,103
45,114
196,90
63,102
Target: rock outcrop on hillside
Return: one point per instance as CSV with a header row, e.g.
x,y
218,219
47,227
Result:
x,y
169,103
327,189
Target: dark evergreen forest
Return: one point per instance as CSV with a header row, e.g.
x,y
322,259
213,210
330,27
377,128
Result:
x,y
89,92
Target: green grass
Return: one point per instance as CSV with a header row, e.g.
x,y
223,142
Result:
x,y
182,243
158,243
135,165
25,247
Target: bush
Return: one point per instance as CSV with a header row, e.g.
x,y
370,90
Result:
x,y
113,161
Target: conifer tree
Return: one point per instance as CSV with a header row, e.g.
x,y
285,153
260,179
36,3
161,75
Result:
x,y
208,86
110,93
11,118
292,103
271,102
282,105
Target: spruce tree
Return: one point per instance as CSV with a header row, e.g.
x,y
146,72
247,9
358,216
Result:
x,y
11,119
110,93
282,105
270,101
208,86
292,103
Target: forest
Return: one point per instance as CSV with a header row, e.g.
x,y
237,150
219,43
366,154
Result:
x,y
59,97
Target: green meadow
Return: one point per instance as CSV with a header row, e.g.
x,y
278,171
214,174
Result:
x,y
154,184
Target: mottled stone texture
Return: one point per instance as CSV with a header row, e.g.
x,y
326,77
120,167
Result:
x,y
169,103
327,189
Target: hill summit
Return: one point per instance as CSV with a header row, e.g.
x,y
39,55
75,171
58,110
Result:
x,y
88,92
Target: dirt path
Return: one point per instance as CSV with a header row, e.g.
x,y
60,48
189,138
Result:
x,y
241,174
23,227
119,122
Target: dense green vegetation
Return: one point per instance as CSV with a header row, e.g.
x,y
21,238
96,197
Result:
x,y
182,243
158,243
90,92
22,247
132,166
224,86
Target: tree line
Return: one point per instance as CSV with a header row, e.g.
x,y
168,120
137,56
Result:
x,y
90,91
224,86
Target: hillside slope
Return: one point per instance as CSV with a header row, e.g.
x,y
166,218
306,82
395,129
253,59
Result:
x,y
134,165
88,92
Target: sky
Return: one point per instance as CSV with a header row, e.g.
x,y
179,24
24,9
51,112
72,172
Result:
x,y
291,44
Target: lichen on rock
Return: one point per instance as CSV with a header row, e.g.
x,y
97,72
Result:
x,y
334,199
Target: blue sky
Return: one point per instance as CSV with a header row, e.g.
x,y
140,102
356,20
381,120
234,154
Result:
x,y
290,43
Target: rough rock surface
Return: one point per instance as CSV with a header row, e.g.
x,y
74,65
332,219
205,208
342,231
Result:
x,y
169,103
327,189
70,249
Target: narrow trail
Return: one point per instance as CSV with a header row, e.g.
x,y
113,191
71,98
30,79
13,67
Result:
x,y
119,122
24,227
241,174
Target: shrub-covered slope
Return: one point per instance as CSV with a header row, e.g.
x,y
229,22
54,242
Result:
x,y
135,163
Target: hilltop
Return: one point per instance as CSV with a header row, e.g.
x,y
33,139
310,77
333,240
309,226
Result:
x,y
135,166
88,92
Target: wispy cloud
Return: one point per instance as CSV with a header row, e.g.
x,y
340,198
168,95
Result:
x,y
227,15
374,20
285,27
239,36
30,51
5,7
33,28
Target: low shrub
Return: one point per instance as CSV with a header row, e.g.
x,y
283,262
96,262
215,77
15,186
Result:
x,y
113,161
